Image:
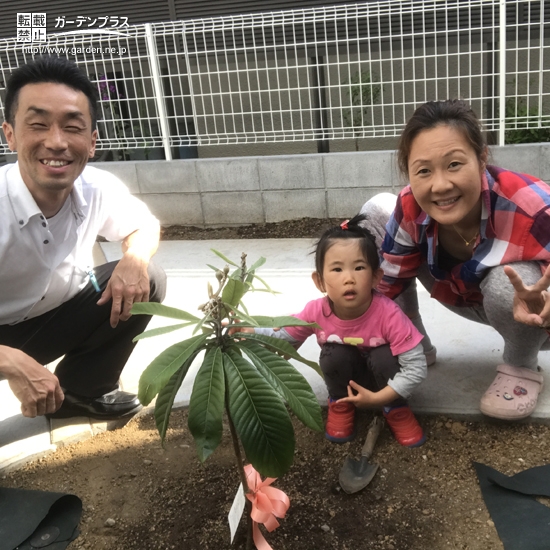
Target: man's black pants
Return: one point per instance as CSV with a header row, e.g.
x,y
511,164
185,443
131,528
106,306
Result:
x,y
94,352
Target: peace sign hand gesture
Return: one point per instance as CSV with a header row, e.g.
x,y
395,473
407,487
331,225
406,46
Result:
x,y
531,303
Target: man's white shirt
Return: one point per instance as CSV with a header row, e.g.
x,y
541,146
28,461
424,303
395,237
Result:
x,y
45,262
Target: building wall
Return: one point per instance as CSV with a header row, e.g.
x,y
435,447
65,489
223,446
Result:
x,y
244,190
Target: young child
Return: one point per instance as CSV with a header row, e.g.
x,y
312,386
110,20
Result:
x,y
371,354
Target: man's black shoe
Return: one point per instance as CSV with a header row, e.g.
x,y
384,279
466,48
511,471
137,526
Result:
x,y
111,406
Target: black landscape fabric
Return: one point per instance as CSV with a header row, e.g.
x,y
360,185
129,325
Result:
x,y
37,519
521,522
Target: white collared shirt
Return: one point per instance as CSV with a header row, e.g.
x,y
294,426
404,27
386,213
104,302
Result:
x,y
44,262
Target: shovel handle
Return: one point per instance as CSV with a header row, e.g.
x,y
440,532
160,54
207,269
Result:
x,y
374,431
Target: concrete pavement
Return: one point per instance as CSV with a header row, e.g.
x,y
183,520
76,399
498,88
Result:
x,y
467,352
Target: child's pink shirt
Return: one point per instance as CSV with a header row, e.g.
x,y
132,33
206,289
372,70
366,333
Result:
x,y
383,323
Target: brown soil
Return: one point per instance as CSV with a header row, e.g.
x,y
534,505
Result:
x,y
421,499
304,227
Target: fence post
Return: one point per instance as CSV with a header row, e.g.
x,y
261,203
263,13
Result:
x,y
157,85
502,73
320,103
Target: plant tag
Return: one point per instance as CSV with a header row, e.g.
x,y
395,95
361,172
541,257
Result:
x,y
236,511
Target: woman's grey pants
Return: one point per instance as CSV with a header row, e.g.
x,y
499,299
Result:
x,y
522,343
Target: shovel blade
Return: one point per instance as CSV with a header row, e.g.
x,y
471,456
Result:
x,y
356,474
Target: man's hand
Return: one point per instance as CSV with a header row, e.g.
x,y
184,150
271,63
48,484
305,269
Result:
x,y
129,283
531,303
34,385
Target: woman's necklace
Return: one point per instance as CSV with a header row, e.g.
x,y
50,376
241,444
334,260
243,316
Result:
x,y
467,243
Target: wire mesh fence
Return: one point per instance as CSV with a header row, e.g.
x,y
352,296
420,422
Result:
x,y
342,72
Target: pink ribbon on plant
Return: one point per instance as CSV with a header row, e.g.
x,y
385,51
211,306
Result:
x,y
268,504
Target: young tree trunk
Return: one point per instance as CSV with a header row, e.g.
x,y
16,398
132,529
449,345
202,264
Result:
x,y
240,466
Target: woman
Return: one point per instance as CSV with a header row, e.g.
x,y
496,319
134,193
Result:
x,y
455,227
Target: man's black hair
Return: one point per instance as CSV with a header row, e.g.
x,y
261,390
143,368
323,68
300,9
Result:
x,y
58,70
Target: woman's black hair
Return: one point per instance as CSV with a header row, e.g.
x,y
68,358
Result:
x,y
49,68
455,113
353,229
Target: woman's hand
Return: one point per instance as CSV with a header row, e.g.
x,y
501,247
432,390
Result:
x,y
531,303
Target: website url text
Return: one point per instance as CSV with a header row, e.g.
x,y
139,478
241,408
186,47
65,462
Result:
x,y
74,50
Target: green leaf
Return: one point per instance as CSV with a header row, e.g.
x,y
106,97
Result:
x,y
265,290
201,323
220,255
241,315
279,346
233,291
206,404
260,417
258,263
267,287
153,308
274,322
166,396
161,330
236,274
161,369
284,378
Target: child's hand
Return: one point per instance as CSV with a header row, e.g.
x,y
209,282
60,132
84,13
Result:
x,y
361,397
367,398
234,329
248,330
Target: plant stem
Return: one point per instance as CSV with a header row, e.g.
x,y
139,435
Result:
x,y
243,267
240,466
219,329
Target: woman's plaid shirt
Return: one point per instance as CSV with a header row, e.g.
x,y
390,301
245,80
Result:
x,y
515,227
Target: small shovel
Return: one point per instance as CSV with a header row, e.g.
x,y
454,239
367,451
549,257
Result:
x,y
357,474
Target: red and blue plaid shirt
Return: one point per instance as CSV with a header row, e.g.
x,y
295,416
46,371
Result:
x,y
515,227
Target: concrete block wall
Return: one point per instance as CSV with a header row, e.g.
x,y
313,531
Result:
x,y
244,190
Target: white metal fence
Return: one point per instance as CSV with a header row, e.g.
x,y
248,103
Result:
x,y
348,71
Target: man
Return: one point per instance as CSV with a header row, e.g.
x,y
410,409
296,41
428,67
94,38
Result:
x,y
52,208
